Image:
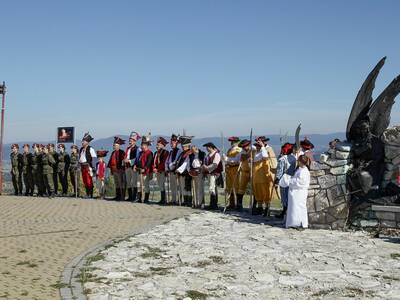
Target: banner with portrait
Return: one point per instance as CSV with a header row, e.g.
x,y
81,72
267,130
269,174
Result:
x,y
65,135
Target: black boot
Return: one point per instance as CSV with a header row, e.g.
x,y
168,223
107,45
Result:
x,y
87,193
213,202
91,192
162,201
146,197
117,195
190,201
239,199
134,193
266,211
256,210
130,197
123,193
139,197
282,214
231,205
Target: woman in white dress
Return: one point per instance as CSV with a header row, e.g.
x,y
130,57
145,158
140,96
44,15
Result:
x,y
298,191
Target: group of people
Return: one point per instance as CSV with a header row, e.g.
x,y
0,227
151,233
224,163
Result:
x,y
180,172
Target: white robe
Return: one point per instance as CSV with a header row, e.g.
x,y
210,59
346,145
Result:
x,y
298,192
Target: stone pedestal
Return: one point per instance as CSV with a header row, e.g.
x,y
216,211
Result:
x,y
391,139
328,201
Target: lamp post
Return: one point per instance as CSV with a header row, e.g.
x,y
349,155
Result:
x,y
3,100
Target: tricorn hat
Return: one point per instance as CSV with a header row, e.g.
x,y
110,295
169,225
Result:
x,y
209,144
262,138
87,137
234,139
135,136
174,137
118,140
146,139
185,140
161,140
101,153
306,144
244,143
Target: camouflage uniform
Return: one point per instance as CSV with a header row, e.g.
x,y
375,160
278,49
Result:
x,y
16,172
55,171
48,163
62,170
74,172
27,173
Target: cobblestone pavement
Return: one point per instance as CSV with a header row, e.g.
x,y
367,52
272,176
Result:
x,y
39,236
216,256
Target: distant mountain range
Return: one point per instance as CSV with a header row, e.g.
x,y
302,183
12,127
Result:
x,y
320,142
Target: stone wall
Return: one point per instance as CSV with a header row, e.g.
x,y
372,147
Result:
x,y
391,139
327,202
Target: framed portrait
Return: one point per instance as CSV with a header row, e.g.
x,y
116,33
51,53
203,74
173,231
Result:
x,y
65,134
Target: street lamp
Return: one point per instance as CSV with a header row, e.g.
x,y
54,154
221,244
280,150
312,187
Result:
x,y
3,90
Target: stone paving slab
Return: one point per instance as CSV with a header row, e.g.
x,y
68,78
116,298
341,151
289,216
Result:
x,y
39,236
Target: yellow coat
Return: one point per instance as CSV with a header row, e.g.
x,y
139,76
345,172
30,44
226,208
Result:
x,y
231,170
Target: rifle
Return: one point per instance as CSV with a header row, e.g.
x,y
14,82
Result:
x,y
223,174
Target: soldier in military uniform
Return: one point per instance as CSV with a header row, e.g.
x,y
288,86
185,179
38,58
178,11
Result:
x,y
62,168
53,152
16,169
74,169
232,162
48,163
131,176
160,157
182,170
116,166
144,165
213,168
86,159
27,170
37,170
170,167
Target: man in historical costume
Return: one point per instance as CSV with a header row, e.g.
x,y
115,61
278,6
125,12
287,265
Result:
x,y
48,163
307,149
160,158
263,176
37,176
196,162
131,175
213,169
232,162
170,166
27,170
62,168
53,152
74,169
101,173
144,165
244,171
86,156
286,165
182,170
116,166
16,169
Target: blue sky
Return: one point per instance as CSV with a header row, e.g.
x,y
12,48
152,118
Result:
x,y
110,67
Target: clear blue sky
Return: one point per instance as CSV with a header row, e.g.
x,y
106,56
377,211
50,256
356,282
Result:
x,y
115,66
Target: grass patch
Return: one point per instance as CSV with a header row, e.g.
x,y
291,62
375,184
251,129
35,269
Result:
x,y
192,294
323,293
27,263
22,251
60,285
24,293
3,257
152,252
203,263
109,246
160,270
354,290
97,257
141,274
395,255
36,279
387,277
217,259
6,273
87,291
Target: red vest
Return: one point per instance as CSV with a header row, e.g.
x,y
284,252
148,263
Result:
x,y
209,161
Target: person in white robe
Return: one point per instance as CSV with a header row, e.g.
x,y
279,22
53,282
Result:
x,y
298,191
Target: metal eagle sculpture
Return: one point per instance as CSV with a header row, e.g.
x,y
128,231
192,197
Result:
x,y
367,121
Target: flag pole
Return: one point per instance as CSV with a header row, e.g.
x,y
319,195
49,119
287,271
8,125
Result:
x,y
3,93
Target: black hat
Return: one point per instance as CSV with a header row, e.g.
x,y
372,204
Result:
x,y
174,137
209,144
87,137
185,140
118,140
244,143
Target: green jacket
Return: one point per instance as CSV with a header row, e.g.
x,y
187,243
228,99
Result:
x,y
16,163
63,162
36,162
26,163
48,163
74,162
